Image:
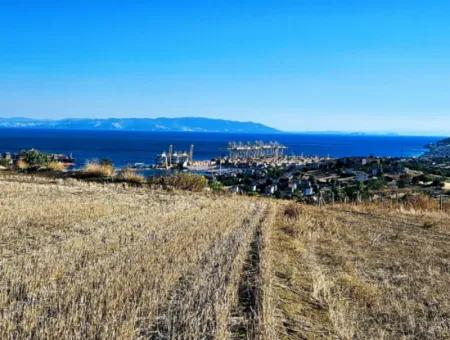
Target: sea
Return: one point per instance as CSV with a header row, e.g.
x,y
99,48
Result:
x,y
130,147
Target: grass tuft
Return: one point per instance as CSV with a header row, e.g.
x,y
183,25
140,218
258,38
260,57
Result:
x,y
95,169
130,176
22,165
56,166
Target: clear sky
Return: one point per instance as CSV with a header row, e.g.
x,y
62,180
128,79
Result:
x,y
295,65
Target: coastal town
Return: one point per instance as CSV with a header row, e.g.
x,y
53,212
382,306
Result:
x,y
263,169
318,179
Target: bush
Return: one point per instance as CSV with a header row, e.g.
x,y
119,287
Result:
x,y
183,181
5,162
35,158
438,183
215,185
425,178
56,166
94,169
375,184
130,175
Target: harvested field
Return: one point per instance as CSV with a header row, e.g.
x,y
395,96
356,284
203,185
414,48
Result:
x,y
86,260
361,272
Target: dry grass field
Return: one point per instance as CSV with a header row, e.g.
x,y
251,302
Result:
x,y
361,272
86,260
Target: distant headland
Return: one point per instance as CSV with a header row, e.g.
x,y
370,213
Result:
x,y
439,149
183,124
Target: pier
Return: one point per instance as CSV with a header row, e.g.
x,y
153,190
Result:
x,y
257,149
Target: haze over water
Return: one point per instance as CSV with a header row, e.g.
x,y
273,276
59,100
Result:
x,y
129,147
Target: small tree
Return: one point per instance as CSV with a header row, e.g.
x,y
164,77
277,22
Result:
x,y
375,184
35,158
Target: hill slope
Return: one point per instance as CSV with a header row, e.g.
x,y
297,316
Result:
x,y
142,124
85,260
439,149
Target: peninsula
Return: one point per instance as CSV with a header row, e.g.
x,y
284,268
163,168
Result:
x,y
182,124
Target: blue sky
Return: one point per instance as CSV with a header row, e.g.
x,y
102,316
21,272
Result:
x,y
373,66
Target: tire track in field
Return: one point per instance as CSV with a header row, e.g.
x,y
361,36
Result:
x,y
202,303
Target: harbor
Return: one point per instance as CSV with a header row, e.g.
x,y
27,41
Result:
x,y
266,168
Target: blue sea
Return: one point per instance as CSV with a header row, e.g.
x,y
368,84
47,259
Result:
x,y
129,147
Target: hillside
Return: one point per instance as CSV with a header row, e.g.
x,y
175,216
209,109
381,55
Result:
x,y
85,260
193,124
439,149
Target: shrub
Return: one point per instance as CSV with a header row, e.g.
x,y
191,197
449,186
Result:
x,y
215,185
130,175
95,169
56,166
375,184
5,162
183,181
438,183
35,158
425,178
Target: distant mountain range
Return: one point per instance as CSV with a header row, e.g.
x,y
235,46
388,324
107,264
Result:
x,y
192,124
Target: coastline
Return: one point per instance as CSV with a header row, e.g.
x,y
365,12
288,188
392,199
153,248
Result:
x,y
129,147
